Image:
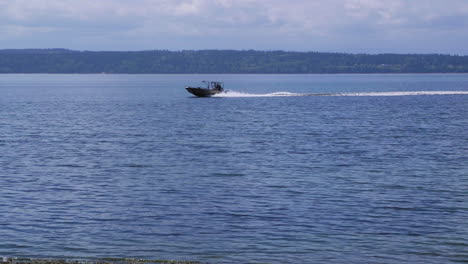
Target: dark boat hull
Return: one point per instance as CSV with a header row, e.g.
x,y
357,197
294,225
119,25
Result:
x,y
202,92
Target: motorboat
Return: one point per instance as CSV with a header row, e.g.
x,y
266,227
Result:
x,y
211,89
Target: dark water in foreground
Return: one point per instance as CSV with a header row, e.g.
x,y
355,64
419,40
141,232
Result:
x,y
133,166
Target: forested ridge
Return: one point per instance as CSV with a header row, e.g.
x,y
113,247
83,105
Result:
x,y
223,61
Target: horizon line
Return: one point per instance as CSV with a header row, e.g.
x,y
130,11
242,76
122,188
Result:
x,y
236,50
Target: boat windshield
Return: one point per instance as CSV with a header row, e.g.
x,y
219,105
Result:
x,y
214,85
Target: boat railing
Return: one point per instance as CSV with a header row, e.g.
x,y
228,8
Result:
x,y
214,85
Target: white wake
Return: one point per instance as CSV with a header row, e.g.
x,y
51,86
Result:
x,y
241,94
404,93
287,94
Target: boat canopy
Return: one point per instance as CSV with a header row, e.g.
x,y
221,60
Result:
x,y
214,85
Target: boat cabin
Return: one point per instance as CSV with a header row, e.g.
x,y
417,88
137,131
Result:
x,y
214,85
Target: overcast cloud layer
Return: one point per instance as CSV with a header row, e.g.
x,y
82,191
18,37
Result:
x,y
371,26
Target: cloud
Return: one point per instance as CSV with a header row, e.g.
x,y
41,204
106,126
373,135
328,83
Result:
x,y
296,24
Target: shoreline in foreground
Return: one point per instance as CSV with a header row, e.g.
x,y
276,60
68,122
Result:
x,y
13,260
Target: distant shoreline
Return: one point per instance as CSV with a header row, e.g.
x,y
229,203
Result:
x,y
224,62
74,73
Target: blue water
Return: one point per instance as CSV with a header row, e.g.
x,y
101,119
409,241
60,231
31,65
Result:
x,y
133,166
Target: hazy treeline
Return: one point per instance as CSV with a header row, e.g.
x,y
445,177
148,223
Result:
x,y
223,61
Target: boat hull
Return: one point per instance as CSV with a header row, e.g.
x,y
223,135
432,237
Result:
x,y
202,92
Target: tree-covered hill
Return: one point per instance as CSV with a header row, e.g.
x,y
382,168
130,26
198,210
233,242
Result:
x,y
223,61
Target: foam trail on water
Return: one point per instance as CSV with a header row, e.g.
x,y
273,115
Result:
x,y
286,94
240,94
404,93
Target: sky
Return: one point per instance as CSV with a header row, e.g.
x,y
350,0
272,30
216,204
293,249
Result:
x,y
351,26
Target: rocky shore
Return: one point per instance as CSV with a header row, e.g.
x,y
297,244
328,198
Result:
x,y
10,260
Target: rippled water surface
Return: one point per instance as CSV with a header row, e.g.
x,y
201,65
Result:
x,y
133,166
